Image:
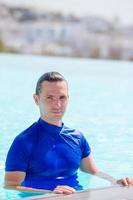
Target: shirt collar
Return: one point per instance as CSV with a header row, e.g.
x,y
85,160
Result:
x,y
50,128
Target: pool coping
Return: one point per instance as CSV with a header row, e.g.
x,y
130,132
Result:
x,y
107,193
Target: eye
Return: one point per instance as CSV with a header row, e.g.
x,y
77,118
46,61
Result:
x,y
49,98
62,97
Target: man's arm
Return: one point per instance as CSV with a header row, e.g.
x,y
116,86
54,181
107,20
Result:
x,y
14,178
88,165
13,181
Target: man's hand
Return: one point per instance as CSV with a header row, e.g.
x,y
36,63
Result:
x,y
125,181
64,189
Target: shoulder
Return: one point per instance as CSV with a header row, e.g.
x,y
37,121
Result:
x,y
24,141
27,135
74,133
77,137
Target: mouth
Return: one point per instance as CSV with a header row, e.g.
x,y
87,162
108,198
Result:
x,y
56,112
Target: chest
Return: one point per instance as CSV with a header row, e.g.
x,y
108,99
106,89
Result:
x,y
55,154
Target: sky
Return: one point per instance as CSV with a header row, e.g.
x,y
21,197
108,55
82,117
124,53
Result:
x,y
123,9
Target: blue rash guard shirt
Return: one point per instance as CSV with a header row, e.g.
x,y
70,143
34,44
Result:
x,y
48,154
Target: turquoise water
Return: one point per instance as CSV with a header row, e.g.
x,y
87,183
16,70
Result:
x,y
101,96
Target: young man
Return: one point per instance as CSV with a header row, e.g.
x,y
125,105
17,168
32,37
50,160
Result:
x,y
47,155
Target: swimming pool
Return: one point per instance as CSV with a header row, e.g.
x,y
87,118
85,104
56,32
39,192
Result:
x,y
103,92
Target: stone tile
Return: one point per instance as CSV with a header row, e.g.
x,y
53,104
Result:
x,y
108,193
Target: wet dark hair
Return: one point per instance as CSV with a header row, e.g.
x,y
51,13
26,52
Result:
x,y
49,76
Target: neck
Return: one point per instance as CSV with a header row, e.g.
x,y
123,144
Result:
x,y
56,122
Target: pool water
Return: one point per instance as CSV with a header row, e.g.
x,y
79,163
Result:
x,y
101,96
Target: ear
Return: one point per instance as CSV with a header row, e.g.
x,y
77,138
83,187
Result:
x,y
36,99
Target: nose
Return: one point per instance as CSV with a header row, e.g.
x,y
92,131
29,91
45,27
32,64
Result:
x,y
57,102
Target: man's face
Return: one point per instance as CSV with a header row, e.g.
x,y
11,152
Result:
x,y
52,100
